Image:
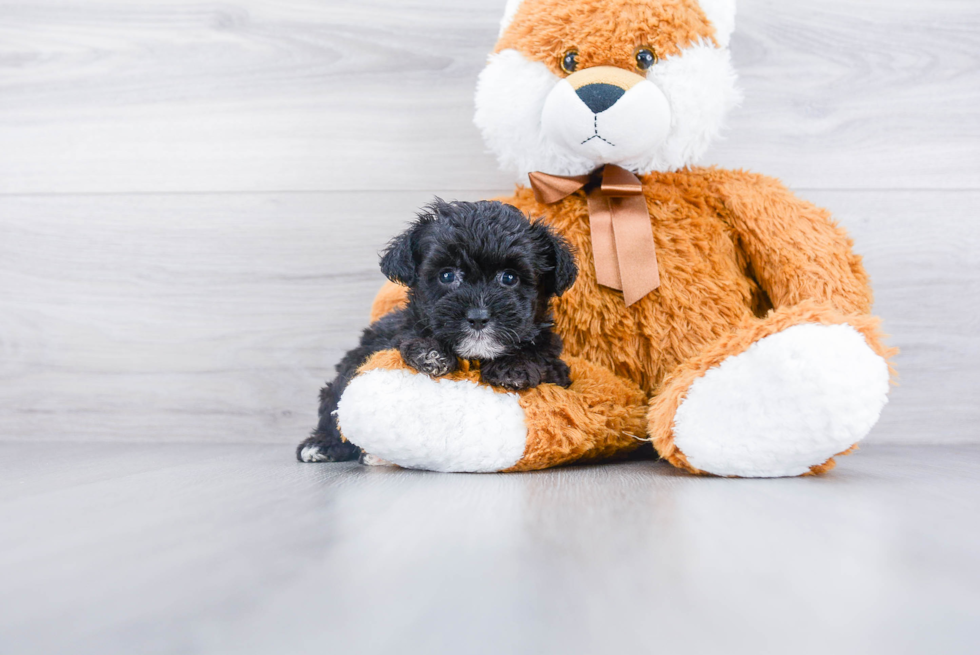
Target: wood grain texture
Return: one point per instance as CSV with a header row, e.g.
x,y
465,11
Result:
x,y
189,549
216,317
184,95
211,317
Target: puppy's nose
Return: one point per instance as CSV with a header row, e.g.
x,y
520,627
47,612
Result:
x,y
599,96
477,318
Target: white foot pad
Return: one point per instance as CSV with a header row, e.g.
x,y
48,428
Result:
x,y
439,425
791,401
312,454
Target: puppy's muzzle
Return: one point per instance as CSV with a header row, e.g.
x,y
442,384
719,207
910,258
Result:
x,y
477,318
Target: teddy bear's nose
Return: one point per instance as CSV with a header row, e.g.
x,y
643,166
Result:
x,y
599,96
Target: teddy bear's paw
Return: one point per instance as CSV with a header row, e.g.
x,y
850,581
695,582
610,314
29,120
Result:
x,y
439,425
790,402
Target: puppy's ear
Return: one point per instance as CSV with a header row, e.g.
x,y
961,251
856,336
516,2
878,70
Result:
x,y
401,259
562,269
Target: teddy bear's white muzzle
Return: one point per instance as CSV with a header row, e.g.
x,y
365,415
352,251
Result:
x,y
606,125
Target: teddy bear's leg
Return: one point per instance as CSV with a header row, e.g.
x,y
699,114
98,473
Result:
x,y
458,424
780,397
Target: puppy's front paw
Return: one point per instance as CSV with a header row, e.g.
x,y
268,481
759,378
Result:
x,y
427,356
513,374
559,373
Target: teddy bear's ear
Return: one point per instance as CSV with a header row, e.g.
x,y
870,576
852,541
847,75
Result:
x,y
561,259
721,13
401,259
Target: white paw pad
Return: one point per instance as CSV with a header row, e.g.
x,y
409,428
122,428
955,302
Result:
x,y
439,425
791,401
312,454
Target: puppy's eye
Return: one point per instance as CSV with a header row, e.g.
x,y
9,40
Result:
x,y
569,61
508,279
447,276
645,57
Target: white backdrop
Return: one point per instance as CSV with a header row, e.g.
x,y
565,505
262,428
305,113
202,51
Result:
x,y
192,194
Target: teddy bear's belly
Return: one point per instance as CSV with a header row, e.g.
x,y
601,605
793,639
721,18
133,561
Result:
x,y
706,286
704,294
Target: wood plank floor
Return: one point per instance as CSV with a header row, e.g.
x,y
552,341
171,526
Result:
x,y
187,549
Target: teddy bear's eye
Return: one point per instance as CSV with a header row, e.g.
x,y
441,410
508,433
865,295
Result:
x,y
569,61
645,57
508,279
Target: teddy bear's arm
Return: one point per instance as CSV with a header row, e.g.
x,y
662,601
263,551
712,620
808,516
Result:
x,y
390,296
796,250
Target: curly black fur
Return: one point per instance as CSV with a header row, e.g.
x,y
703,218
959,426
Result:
x,y
481,277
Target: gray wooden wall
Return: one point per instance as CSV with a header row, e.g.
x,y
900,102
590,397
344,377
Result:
x,y
192,194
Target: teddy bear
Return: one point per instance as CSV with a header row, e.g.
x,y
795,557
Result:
x,y
716,314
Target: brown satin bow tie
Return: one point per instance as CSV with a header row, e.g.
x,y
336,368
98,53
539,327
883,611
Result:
x,y
622,235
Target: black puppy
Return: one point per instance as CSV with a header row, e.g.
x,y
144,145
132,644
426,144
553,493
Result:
x,y
480,280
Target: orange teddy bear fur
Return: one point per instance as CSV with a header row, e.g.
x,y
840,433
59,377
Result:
x,y
741,258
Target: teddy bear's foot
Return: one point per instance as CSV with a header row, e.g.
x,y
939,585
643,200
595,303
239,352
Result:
x,y
437,425
787,404
367,459
460,424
